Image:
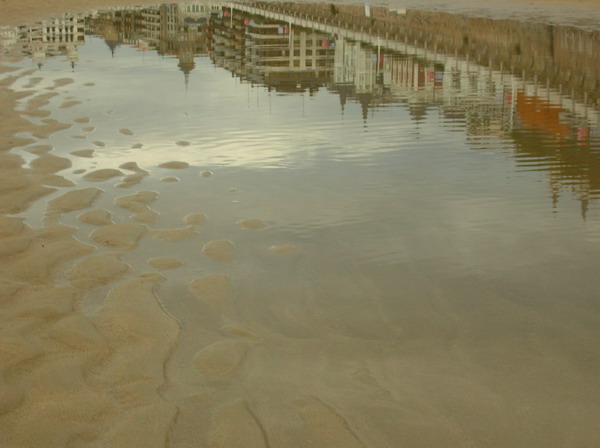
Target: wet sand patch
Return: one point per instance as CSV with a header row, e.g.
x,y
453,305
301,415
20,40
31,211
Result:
x,y
213,290
132,179
82,120
34,105
97,270
39,149
174,165
221,359
49,127
169,179
235,329
33,82
138,204
102,175
99,144
122,236
51,248
141,337
49,163
61,82
182,143
165,263
252,223
96,217
87,153
233,425
77,332
194,219
219,250
283,249
69,104
126,131
54,180
71,201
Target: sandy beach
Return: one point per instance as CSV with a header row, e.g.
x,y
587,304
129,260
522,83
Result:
x,y
75,379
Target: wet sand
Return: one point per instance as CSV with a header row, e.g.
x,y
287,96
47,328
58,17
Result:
x,y
70,379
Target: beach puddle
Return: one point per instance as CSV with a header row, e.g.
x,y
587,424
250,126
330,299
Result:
x,y
280,225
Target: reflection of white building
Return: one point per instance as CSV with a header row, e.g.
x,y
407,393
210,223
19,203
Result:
x,y
59,36
373,75
277,47
8,37
200,9
278,54
354,64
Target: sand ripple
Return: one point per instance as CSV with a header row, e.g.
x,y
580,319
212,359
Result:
x,y
137,203
96,217
219,250
212,289
123,236
102,175
71,201
98,270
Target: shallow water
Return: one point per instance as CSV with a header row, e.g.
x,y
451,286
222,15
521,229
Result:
x,y
407,235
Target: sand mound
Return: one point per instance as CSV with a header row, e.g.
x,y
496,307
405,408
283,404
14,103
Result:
x,y
194,219
219,250
102,175
212,289
137,203
165,263
123,236
70,202
96,217
96,271
252,224
174,165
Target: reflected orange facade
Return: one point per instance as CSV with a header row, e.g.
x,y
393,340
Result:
x,y
537,114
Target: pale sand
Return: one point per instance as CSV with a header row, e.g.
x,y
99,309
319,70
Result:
x,y
70,380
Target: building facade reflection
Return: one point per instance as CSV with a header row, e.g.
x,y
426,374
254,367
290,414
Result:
x,y
54,37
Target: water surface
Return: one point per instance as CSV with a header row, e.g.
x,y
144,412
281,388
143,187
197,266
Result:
x,y
410,201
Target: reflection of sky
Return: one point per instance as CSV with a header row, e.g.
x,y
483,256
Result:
x,y
235,123
389,172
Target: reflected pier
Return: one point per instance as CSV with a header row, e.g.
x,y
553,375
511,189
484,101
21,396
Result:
x,y
558,57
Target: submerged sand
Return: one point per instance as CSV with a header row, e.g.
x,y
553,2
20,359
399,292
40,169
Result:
x,y
131,375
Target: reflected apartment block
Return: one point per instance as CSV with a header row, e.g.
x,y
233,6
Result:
x,y
273,53
171,29
280,55
9,37
54,37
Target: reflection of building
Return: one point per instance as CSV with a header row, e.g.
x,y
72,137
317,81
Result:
x,y
53,37
280,55
273,53
8,38
171,29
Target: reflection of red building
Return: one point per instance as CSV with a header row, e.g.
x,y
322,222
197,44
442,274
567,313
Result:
x,y
536,114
